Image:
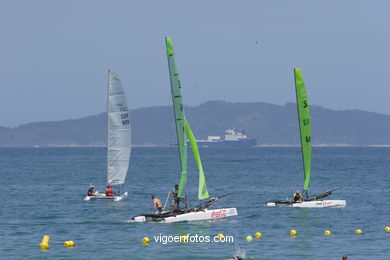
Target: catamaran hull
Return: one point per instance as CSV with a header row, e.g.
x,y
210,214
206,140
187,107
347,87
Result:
x,y
309,204
191,216
103,196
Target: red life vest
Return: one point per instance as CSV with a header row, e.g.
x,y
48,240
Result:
x,y
109,191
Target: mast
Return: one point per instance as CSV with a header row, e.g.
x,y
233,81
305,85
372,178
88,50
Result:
x,y
108,118
183,129
178,109
304,126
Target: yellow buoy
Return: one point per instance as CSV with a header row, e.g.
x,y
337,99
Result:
x,y
184,239
258,235
69,243
328,232
45,243
387,229
220,236
358,231
145,240
249,238
293,232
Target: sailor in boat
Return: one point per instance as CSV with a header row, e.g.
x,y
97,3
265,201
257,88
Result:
x,y
175,205
175,200
157,206
109,191
297,196
90,191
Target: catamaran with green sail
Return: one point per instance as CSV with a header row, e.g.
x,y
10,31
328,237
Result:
x,y
305,134
183,131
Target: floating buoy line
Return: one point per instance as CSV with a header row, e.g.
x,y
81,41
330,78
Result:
x,y
44,245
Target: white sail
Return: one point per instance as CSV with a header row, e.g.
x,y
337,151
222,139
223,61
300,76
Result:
x,y
119,132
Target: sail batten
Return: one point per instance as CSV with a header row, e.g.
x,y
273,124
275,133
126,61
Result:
x,y
304,125
119,132
178,109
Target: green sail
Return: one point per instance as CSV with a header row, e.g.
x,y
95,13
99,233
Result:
x,y
202,192
178,109
304,124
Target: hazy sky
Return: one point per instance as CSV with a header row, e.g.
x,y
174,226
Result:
x,y
54,55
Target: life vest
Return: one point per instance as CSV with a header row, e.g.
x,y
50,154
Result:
x,y
109,191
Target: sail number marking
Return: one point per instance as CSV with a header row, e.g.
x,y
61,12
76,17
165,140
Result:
x,y
305,105
125,119
308,139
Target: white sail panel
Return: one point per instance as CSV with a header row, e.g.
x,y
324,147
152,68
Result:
x,y
119,132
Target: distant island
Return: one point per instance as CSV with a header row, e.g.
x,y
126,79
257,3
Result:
x,y
269,124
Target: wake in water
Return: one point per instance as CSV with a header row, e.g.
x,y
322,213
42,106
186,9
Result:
x,y
239,254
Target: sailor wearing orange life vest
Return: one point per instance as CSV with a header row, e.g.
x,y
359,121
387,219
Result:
x,y
109,191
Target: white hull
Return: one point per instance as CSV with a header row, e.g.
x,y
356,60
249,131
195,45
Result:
x,y
311,204
191,216
103,196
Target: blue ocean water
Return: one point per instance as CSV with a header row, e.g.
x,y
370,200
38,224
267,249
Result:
x,y
43,190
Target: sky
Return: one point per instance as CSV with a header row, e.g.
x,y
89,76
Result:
x,y
55,55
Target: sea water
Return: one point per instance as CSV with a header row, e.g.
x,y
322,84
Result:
x,y
43,190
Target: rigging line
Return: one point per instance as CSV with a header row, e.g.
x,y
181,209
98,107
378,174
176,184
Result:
x,y
166,201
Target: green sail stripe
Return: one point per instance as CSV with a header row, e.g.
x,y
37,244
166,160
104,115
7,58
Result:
x,y
202,192
178,109
304,124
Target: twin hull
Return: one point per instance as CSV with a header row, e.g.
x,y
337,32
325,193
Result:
x,y
103,196
191,216
310,204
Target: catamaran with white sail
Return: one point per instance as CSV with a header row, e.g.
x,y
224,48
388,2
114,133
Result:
x,y
305,133
118,140
183,131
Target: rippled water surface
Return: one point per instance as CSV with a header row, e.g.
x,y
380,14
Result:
x,y
43,191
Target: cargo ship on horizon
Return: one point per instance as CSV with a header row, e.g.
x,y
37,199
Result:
x,y
232,138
